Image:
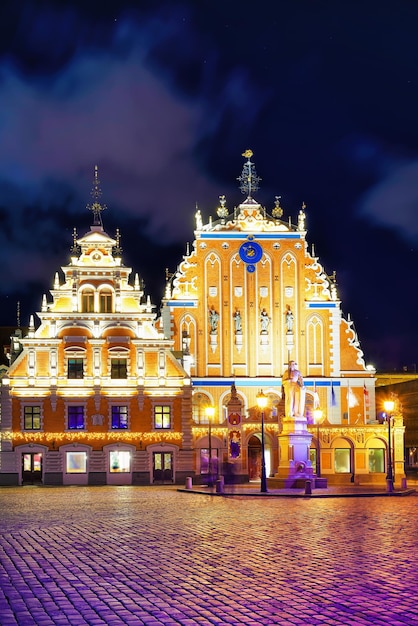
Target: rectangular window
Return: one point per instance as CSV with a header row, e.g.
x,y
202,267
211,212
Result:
x,y
312,458
87,302
162,417
204,461
342,463
118,368
32,418
75,368
76,463
76,418
119,417
120,461
376,460
105,303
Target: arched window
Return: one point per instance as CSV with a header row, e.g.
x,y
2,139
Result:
x,y
199,403
106,301
87,301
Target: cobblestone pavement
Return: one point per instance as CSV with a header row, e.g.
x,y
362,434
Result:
x,y
154,555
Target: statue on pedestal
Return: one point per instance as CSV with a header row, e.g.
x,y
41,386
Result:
x,y
294,390
213,321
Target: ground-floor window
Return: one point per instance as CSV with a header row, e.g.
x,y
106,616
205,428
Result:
x,y
312,458
376,460
120,461
412,458
205,468
342,463
76,462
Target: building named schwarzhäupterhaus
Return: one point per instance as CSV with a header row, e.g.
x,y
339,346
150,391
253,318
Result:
x,y
251,359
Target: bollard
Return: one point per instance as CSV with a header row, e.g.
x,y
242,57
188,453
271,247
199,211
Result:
x,y
308,487
403,483
219,486
188,482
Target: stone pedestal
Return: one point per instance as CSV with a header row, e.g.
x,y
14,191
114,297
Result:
x,y
295,467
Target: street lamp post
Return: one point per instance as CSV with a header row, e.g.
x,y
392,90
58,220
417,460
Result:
x,y
317,418
262,403
389,406
210,412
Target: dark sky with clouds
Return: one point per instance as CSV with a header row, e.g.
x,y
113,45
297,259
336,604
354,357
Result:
x,y
164,96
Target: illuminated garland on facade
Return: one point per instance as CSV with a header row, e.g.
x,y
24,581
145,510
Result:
x,y
85,437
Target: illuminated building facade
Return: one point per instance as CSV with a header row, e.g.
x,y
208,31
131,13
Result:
x,y
95,395
250,297
102,392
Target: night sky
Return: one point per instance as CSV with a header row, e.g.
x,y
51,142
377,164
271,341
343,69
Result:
x,y
165,96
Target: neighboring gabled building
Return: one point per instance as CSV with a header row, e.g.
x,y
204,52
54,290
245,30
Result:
x,y
95,395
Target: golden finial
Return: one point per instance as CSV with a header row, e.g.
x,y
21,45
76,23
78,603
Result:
x,y
96,208
249,181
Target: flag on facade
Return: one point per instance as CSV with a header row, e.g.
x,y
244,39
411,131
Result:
x,y
366,395
315,398
333,399
351,398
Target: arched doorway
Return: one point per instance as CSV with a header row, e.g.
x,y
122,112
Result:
x,y
254,458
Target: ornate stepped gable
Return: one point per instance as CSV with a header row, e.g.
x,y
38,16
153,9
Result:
x,y
282,280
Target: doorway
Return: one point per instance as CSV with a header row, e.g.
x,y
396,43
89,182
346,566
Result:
x,y
31,468
254,458
163,467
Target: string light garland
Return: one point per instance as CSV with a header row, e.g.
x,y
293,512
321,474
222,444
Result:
x,y
85,437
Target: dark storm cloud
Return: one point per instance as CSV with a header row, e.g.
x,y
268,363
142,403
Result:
x,y
96,110
165,96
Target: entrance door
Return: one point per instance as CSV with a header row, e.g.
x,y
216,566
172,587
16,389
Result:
x,y
254,458
163,467
31,468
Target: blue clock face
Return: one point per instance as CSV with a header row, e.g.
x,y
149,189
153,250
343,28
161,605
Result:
x,y
251,252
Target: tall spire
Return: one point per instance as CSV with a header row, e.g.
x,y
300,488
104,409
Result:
x,y
96,207
249,181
